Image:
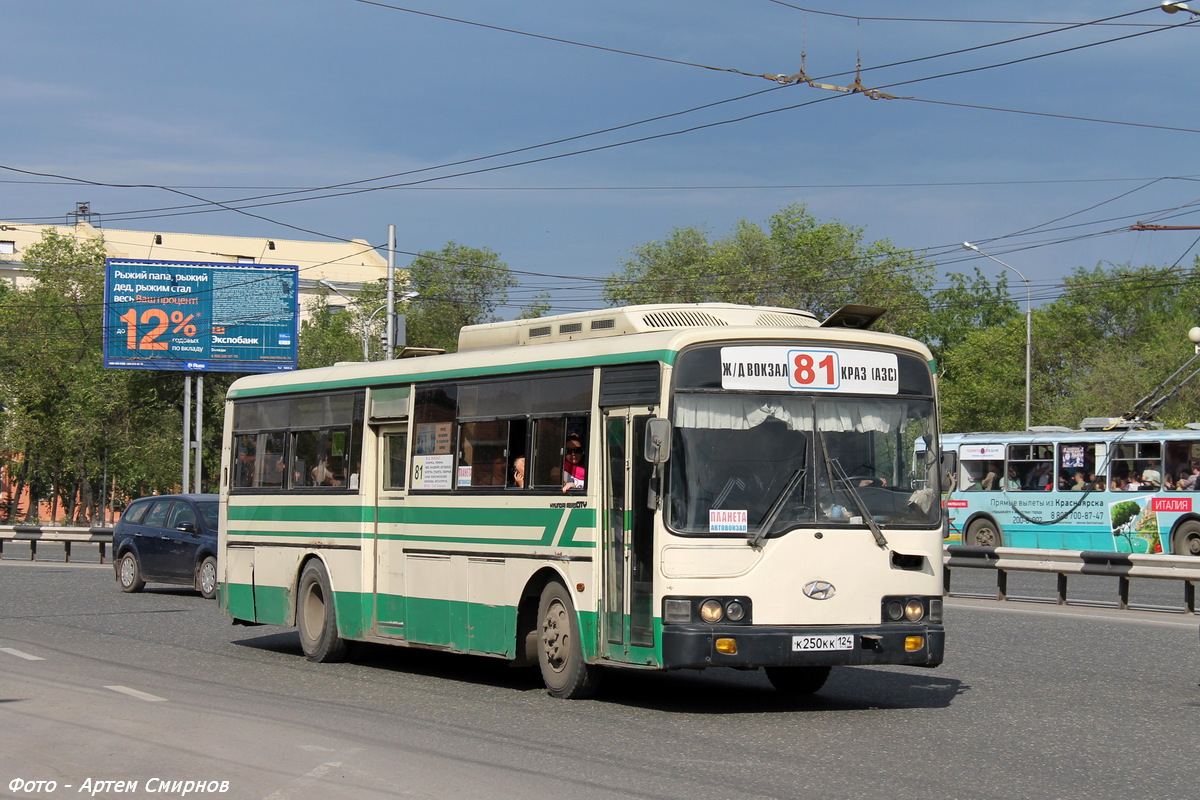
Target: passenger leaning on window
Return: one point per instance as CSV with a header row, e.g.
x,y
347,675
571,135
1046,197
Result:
x,y
574,464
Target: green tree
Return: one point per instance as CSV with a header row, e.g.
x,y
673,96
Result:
x,y
457,286
332,332
68,421
1114,334
796,261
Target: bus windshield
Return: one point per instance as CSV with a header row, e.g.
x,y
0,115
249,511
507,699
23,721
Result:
x,y
766,464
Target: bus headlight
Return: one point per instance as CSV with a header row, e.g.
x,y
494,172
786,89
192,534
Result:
x,y
894,610
907,608
711,611
913,610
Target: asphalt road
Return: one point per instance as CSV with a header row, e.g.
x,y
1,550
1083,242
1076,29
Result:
x,y
1034,701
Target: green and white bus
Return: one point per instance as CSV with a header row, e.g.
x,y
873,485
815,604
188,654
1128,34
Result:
x,y
648,487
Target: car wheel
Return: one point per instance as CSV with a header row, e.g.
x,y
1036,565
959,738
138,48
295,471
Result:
x,y
797,681
206,578
129,573
560,656
315,617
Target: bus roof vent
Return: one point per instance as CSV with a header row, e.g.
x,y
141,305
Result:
x,y
774,320
682,319
626,321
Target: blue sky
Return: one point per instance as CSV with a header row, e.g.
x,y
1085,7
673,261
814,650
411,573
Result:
x,y
228,100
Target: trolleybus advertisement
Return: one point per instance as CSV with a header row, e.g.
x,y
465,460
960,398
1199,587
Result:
x,y
195,316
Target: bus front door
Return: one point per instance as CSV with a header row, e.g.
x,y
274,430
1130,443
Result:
x,y
627,543
390,461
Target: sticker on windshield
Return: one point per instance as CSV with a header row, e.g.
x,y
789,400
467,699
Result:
x,y
727,521
817,369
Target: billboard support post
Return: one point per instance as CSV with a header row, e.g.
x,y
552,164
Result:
x,y
197,475
187,428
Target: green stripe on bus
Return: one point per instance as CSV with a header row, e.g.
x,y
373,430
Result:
x,y
454,624
665,356
298,513
548,519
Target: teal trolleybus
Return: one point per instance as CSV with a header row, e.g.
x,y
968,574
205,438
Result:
x,y
1103,487
649,487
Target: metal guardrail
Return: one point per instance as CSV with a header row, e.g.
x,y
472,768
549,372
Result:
x,y
1123,566
99,536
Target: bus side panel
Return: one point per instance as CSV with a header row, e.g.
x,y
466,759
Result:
x,y
237,592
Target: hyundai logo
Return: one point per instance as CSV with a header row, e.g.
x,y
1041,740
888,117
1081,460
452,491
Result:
x,y
819,590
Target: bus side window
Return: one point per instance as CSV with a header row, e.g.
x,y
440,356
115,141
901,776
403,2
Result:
x,y
395,449
548,437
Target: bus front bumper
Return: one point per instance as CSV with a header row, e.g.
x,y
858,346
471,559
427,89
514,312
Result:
x,y
697,646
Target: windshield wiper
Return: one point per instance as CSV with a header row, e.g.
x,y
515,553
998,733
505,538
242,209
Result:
x,y
755,540
834,467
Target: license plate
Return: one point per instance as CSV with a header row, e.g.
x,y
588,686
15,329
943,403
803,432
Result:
x,y
844,641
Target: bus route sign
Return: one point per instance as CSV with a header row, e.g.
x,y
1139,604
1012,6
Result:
x,y
195,317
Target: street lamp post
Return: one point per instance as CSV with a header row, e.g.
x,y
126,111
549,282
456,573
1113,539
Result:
x,y
1028,321
395,328
363,319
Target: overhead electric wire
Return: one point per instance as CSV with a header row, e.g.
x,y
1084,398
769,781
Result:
x,y
243,202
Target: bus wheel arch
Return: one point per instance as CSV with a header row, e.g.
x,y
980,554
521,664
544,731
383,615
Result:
x,y
1185,539
316,615
527,616
983,531
565,671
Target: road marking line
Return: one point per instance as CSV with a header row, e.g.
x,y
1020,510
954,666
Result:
x,y
305,781
150,698
13,652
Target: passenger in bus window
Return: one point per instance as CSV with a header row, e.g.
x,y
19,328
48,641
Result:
x,y
1011,482
1118,484
574,464
1133,484
1151,477
1168,482
1098,484
989,480
1078,484
518,472
1039,478
1187,478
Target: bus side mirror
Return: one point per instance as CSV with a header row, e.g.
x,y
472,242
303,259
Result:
x,y
658,440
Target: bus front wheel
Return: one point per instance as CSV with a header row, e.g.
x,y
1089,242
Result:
x,y
315,616
983,533
1187,539
560,656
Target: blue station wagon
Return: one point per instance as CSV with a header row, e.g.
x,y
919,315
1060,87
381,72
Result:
x,y
168,539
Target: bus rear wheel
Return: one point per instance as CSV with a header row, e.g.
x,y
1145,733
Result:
x,y
1186,541
315,617
797,681
560,656
983,533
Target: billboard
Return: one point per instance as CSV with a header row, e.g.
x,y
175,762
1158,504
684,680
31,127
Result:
x,y
196,317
